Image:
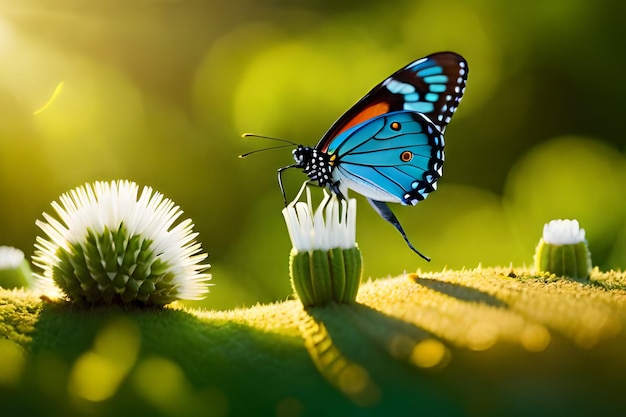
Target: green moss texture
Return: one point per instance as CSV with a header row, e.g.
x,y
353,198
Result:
x,y
484,342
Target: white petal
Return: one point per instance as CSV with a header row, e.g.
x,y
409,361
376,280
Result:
x,y
331,225
563,232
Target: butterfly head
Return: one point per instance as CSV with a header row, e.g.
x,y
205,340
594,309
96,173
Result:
x,y
301,154
317,165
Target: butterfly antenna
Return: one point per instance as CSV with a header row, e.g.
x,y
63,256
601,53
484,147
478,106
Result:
x,y
252,135
271,148
243,155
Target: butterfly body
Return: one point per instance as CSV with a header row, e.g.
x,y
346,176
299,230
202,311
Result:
x,y
389,147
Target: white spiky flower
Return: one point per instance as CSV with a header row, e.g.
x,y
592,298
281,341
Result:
x,y
109,246
563,232
325,263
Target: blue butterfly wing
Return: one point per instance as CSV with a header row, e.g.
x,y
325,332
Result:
x,y
433,86
396,157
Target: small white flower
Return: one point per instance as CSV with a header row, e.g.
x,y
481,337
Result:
x,y
563,250
332,225
110,246
563,232
325,264
10,258
15,270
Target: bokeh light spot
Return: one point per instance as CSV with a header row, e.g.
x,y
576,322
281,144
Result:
x,y
482,336
163,384
12,362
535,338
94,377
97,374
287,91
429,353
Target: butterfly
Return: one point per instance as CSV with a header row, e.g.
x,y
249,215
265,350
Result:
x,y
389,146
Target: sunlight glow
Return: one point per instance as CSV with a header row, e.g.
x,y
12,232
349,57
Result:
x,y
6,35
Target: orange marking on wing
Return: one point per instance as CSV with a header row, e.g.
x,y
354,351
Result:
x,y
366,114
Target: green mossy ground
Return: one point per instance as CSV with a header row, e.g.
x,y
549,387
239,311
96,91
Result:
x,y
481,342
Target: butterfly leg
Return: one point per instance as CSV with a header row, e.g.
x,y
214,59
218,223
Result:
x,y
385,212
334,187
280,181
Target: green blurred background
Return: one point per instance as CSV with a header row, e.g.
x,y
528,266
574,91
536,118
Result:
x,y
159,92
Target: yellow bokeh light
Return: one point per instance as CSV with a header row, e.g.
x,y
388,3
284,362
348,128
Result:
x,y
119,341
12,362
482,336
96,375
535,338
272,84
163,384
429,353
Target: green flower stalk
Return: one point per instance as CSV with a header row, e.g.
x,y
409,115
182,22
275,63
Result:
x,y
563,250
325,263
111,247
15,270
